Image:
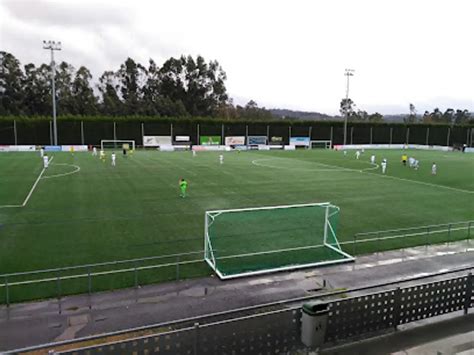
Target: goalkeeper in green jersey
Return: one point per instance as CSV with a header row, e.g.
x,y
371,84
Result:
x,y
183,185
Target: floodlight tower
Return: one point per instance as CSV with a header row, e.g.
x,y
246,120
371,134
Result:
x,y
53,46
348,73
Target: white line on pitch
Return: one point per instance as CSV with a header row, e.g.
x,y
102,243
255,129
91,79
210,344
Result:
x,y
333,167
422,183
31,191
414,181
76,170
366,170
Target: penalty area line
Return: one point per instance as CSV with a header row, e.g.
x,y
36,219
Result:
x,y
27,198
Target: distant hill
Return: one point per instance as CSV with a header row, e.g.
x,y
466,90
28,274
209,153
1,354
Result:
x,y
394,118
317,116
302,115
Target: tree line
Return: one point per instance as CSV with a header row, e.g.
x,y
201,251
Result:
x,y
450,116
181,87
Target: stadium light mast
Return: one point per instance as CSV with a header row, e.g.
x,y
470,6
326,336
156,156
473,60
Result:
x,y
53,46
348,73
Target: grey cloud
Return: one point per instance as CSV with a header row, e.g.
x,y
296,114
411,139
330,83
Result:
x,y
107,52
70,14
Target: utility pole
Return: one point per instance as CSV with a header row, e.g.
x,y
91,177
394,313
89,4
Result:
x,y
348,73
53,46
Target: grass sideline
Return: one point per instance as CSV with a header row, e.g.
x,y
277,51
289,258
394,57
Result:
x,y
101,213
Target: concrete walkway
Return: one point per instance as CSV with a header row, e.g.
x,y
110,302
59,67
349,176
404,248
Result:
x,y
35,323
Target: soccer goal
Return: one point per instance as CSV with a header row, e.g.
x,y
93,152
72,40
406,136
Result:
x,y
251,241
321,144
117,144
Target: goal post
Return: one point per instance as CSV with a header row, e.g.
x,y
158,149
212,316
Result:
x,y
116,144
252,241
321,144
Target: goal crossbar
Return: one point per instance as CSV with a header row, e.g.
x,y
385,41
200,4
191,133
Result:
x,y
271,207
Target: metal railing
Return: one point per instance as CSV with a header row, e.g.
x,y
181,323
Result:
x,y
278,331
89,278
237,313
363,243
58,282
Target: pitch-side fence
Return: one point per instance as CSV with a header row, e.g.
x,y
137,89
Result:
x,y
278,331
59,282
363,243
87,132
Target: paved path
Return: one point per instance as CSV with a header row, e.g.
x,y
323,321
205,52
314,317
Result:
x,y
35,323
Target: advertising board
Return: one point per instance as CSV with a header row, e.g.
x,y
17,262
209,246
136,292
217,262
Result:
x,y
74,148
257,140
156,141
182,139
300,141
52,148
235,140
211,148
210,140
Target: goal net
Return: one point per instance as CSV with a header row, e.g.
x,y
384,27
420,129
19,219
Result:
x,y
250,241
321,144
127,144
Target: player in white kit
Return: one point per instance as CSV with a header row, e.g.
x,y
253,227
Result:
x,y
384,166
194,153
45,161
372,159
221,159
357,155
434,169
94,151
113,158
41,152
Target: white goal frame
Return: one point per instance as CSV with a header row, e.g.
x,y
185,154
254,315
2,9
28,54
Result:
x,y
117,141
211,261
328,143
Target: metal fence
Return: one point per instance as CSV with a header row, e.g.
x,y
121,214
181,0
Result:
x,y
278,331
40,132
369,242
388,309
89,278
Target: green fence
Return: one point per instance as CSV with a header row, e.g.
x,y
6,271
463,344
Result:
x,y
39,131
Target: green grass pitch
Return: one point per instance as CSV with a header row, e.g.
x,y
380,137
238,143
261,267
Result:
x,y
86,211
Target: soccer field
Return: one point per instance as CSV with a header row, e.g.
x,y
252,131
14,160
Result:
x,y
82,210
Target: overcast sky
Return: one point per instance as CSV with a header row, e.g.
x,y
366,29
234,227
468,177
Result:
x,y
285,54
